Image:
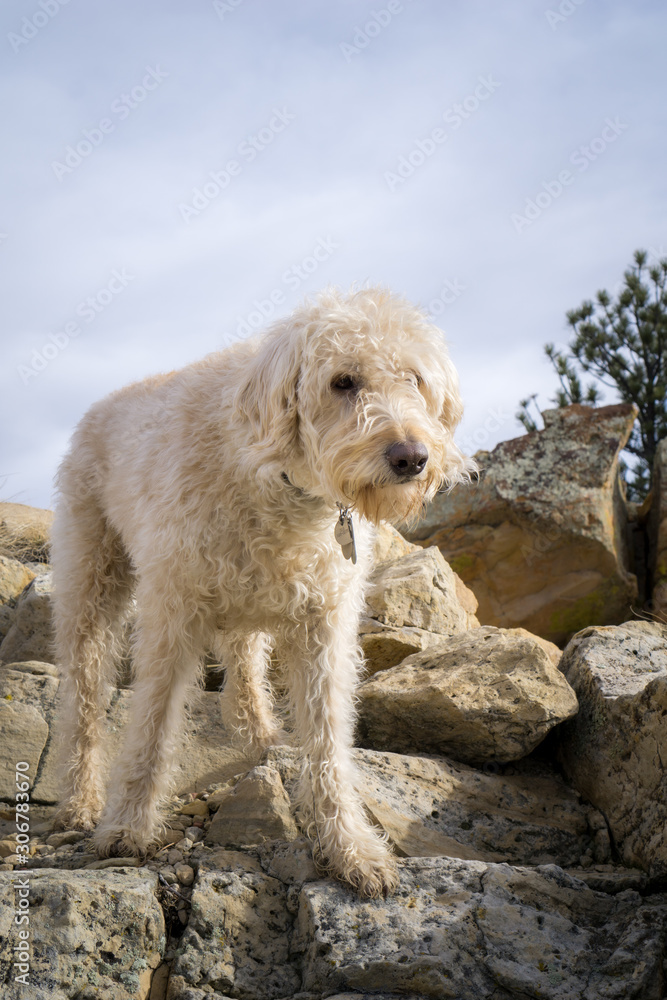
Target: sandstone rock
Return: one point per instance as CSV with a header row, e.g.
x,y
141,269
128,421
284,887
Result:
x,y
390,544
542,540
615,749
385,646
454,928
411,599
24,531
431,806
89,931
23,735
484,695
467,930
255,809
237,939
14,577
30,636
418,589
657,531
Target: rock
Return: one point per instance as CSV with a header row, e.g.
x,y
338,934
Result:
x,y
33,696
237,939
185,874
542,540
14,577
614,750
89,931
385,646
24,532
390,544
432,806
257,808
419,590
657,534
23,735
30,636
196,808
411,599
484,695
263,928
467,930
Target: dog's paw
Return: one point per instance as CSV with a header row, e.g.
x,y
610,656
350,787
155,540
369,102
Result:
x,y
371,879
77,816
119,844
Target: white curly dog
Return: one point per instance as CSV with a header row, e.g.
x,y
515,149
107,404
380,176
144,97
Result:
x,y
222,495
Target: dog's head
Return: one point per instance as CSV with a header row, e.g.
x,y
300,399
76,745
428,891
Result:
x,y
355,399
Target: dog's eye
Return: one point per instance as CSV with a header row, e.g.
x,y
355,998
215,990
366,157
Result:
x,y
344,383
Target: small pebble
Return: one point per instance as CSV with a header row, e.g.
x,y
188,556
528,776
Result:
x,y
184,845
194,833
185,874
174,856
169,875
196,808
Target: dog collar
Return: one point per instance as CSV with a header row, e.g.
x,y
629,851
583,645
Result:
x,y
344,527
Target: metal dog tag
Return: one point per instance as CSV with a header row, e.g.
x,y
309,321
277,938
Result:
x,y
344,534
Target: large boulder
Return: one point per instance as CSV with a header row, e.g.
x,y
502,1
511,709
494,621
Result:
x,y
263,927
615,750
431,806
543,539
90,933
484,695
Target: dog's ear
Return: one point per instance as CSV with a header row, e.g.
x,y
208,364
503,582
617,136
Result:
x,y
268,397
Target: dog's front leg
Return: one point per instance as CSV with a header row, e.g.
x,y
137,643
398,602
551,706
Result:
x,y
324,662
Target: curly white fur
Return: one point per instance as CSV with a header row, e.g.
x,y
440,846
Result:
x,y
211,492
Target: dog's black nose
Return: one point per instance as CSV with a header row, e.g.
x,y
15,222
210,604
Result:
x,y
407,458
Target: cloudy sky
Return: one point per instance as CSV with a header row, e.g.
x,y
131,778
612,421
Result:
x,y
175,174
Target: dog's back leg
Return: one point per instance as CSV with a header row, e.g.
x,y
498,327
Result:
x,y
247,702
93,584
168,646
